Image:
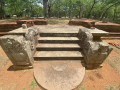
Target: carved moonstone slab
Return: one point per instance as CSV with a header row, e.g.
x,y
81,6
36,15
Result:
x,y
59,74
17,49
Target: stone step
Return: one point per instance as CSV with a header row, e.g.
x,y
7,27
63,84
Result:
x,y
58,34
58,40
58,55
58,47
113,34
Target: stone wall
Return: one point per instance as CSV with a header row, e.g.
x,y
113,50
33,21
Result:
x,y
20,48
88,23
95,52
40,22
29,23
109,27
8,26
84,23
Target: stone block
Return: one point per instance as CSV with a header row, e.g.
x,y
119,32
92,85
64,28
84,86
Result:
x,y
84,23
109,27
29,23
32,35
40,22
17,49
95,52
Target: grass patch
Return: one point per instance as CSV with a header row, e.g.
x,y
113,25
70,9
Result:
x,y
33,85
82,88
57,21
112,87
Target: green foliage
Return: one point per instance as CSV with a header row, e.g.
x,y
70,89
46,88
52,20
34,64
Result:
x,y
22,8
110,87
62,8
32,85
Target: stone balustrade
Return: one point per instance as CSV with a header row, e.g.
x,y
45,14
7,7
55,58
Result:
x,y
20,45
94,50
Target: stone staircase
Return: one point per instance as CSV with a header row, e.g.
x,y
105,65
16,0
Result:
x,y
60,64
59,61
58,46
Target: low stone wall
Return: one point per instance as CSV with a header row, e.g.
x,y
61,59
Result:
x,y
94,50
109,27
84,23
40,22
8,26
29,23
20,48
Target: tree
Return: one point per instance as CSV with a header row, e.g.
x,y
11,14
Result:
x,y
89,14
45,5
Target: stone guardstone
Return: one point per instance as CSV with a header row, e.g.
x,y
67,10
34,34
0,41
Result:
x,y
59,75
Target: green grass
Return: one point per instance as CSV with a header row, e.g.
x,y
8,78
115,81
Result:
x,y
112,87
57,21
33,85
82,88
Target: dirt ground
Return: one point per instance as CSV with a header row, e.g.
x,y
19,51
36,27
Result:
x,y
105,78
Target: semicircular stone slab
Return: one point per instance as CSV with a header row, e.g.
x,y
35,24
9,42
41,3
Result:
x,y
59,75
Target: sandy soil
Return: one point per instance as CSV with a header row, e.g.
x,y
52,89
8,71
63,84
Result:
x,y
114,59
105,78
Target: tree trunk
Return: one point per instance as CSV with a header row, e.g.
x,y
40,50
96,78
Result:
x,y
104,12
49,10
81,11
114,17
89,14
45,6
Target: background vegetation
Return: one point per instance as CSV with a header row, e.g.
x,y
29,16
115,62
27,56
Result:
x,y
96,9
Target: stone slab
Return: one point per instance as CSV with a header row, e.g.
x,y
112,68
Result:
x,y
18,31
109,27
58,38
58,54
85,23
59,75
58,45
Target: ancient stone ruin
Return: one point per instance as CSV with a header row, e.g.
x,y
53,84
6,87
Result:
x,y
95,51
20,46
62,53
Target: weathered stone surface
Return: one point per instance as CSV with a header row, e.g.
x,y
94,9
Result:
x,y
109,27
8,26
40,22
84,23
32,35
59,74
95,52
21,45
24,26
29,23
17,49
